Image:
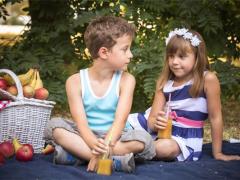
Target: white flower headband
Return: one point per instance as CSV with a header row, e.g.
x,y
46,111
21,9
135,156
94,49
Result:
x,y
195,41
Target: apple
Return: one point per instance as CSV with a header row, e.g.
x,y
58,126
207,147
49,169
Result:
x,y
28,91
12,90
30,146
48,149
3,84
25,153
2,160
7,149
41,93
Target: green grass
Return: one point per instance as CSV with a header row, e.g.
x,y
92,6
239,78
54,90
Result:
x,y
231,119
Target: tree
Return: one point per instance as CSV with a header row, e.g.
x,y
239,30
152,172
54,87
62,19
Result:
x,y
55,41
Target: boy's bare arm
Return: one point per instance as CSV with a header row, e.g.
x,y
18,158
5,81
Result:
x,y
73,89
127,85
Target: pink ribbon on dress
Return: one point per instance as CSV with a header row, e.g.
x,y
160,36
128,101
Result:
x,y
186,121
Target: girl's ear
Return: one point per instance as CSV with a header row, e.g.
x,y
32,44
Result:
x,y
103,52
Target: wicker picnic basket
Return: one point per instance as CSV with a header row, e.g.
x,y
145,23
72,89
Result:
x,y
24,118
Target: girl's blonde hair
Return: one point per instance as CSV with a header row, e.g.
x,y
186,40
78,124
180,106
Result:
x,y
178,44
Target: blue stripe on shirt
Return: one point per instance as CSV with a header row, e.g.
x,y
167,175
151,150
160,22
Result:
x,y
193,115
181,94
187,133
142,121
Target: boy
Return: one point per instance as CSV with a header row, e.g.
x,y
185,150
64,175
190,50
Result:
x,y
100,99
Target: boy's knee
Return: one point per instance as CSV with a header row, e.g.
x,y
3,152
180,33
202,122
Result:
x,y
58,133
145,143
139,145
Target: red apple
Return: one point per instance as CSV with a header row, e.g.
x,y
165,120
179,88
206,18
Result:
x,y
41,93
7,149
3,84
25,153
2,160
28,91
30,146
12,90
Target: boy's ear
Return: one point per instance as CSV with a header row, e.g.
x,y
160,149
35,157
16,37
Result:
x,y
103,52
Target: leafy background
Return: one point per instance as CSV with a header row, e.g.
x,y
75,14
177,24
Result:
x,y
55,44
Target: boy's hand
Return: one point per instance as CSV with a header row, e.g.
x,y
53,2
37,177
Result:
x,y
93,164
223,157
100,147
161,121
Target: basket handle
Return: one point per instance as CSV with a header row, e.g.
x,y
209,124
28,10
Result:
x,y
17,81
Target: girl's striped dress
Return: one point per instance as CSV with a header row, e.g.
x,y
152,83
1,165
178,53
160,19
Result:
x,y
188,116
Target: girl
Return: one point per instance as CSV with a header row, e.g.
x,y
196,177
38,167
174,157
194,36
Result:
x,y
195,96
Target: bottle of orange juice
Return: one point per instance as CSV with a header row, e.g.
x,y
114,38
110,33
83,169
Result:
x,y
167,132
105,162
105,166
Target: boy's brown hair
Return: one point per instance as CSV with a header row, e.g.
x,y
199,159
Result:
x,y
103,32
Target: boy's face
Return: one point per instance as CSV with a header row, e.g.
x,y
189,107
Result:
x,y
120,54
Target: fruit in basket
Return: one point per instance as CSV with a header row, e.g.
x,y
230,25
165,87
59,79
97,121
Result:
x,y
48,149
24,78
12,90
7,149
9,79
3,84
2,159
25,153
41,93
33,79
39,83
28,91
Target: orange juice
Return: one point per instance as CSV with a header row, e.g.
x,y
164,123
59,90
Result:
x,y
167,132
104,167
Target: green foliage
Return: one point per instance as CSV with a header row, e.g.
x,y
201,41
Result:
x,y
55,41
146,66
229,77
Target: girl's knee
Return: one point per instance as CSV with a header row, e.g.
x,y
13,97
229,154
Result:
x,y
166,149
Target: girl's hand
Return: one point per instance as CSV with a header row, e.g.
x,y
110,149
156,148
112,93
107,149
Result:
x,y
161,121
93,164
223,157
100,147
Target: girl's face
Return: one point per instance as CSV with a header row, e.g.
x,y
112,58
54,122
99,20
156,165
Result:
x,y
120,54
181,64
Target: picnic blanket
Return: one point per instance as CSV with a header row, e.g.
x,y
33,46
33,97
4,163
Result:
x,y
41,168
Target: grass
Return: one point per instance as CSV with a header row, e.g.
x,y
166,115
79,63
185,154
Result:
x,y
231,119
